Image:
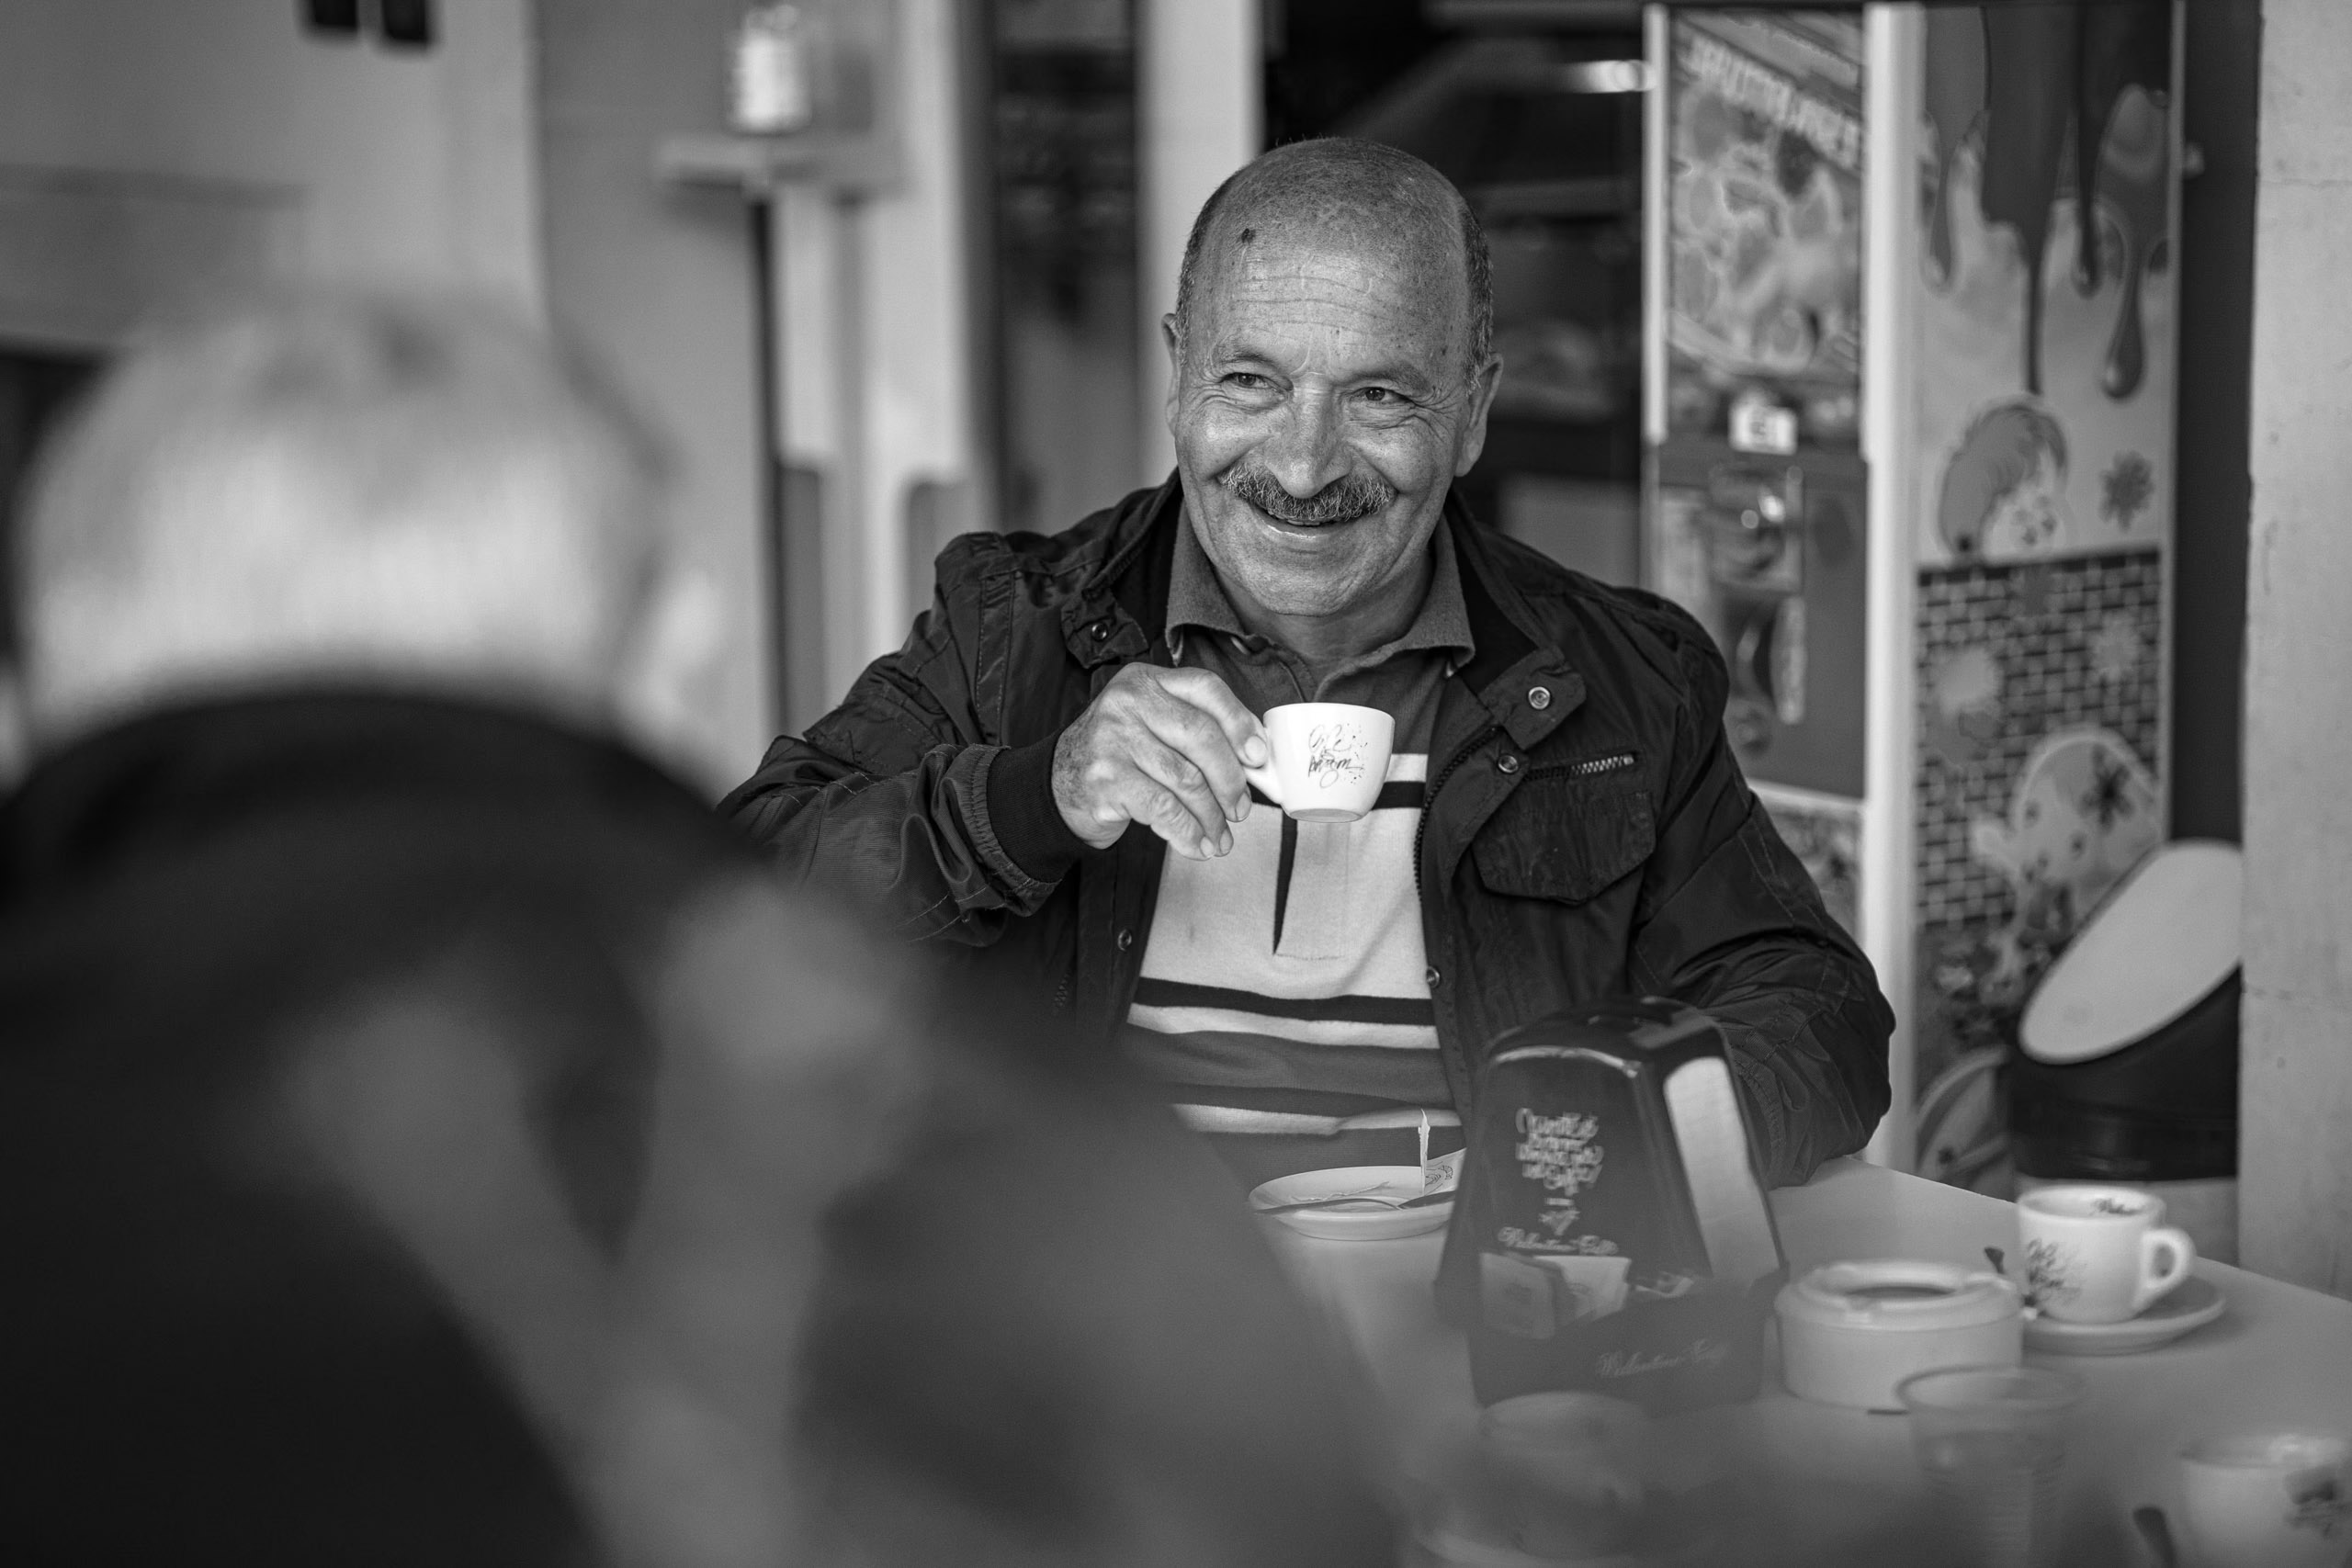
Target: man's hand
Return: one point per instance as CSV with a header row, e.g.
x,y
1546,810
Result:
x,y
1164,748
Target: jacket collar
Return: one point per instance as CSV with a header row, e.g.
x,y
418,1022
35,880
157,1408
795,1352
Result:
x,y
1197,600
1115,615
1518,673
169,778
1120,613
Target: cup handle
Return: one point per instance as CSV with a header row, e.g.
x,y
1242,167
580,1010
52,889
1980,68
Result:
x,y
1266,782
2180,1257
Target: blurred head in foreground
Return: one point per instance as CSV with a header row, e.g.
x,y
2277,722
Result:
x,y
387,490
328,607
420,1117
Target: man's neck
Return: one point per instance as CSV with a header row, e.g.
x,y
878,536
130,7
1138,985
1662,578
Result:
x,y
1379,617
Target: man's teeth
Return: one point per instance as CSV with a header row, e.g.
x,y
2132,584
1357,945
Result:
x,y
1300,522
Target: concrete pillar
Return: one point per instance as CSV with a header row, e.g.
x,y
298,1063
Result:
x,y
2296,1161
1200,113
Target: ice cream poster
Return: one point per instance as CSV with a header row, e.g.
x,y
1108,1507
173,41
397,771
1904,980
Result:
x,y
1765,225
2047,291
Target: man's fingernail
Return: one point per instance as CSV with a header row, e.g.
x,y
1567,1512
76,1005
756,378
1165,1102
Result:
x,y
1224,843
1253,752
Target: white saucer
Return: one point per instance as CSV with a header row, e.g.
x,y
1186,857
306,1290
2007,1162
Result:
x,y
2197,1303
1455,1550
1366,1221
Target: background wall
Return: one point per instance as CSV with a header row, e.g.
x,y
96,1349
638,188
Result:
x,y
2295,1192
516,155
416,164
880,426
657,278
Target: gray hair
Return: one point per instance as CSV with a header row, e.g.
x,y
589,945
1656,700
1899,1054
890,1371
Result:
x,y
331,484
1352,181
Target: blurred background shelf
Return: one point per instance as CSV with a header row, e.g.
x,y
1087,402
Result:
x,y
759,165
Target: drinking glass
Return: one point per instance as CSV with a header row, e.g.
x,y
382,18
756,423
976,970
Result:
x,y
1992,1443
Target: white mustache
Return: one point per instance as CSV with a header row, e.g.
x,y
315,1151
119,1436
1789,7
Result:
x,y
1343,499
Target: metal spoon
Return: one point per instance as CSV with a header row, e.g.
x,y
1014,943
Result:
x,y
1423,1202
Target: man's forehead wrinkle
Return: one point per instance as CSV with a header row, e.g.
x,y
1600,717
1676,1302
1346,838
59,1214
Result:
x,y
1412,233
1271,318
1355,255
1294,282
1260,311
1407,246
1325,359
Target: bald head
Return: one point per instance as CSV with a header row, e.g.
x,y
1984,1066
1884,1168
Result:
x,y
1349,193
329,487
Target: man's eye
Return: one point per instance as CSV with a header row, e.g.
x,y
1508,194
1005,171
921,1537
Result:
x,y
1247,380
1381,397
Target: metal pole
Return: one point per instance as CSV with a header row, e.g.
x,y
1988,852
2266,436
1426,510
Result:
x,y
768,401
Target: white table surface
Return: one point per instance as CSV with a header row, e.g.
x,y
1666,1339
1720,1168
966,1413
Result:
x,y
1848,1487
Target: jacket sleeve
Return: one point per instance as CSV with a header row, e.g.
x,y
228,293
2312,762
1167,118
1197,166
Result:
x,y
896,800
1730,923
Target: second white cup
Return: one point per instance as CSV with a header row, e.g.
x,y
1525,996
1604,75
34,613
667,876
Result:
x,y
2098,1254
2268,1500
1330,760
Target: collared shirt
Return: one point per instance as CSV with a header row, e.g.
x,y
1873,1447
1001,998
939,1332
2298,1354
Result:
x,y
1203,631
1285,986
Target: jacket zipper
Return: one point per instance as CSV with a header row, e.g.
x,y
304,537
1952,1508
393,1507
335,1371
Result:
x,y
1592,765
1428,800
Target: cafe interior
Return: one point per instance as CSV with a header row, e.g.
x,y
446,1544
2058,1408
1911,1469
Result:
x,y
1963,370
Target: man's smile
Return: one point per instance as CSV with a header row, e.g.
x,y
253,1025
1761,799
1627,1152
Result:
x,y
1284,526
1349,499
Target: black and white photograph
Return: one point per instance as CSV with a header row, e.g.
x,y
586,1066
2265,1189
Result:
x,y
1176,784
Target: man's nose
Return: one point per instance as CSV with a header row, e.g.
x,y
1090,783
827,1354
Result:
x,y
1306,452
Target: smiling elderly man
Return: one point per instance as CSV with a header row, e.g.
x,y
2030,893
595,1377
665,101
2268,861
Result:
x,y
1051,770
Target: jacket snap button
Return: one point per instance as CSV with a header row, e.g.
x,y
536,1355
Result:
x,y
1101,631
1126,941
1430,975
1539,697
1507,763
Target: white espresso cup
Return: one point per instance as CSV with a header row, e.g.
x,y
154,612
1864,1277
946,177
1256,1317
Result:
x,y
2100,1254
1330,760
2268,1500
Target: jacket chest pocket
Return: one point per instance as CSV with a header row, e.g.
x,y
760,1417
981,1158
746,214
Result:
x,y
1564,838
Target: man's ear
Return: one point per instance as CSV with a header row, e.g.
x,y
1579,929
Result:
x,y
1175,347
1473,440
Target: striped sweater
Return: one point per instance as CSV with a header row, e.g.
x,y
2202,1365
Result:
x,y
1285,986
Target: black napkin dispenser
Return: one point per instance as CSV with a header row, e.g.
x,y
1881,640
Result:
x,y
1610,1233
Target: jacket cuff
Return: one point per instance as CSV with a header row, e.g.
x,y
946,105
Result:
x,y
1028,824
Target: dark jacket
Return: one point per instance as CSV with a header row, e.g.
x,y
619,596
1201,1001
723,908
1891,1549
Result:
x,y
213,1353
1587,833
217,1349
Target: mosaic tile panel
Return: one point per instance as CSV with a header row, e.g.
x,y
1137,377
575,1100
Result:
x,y
2007,655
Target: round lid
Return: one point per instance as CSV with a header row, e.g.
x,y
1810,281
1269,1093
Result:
x,y
2165,939
1899,1296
